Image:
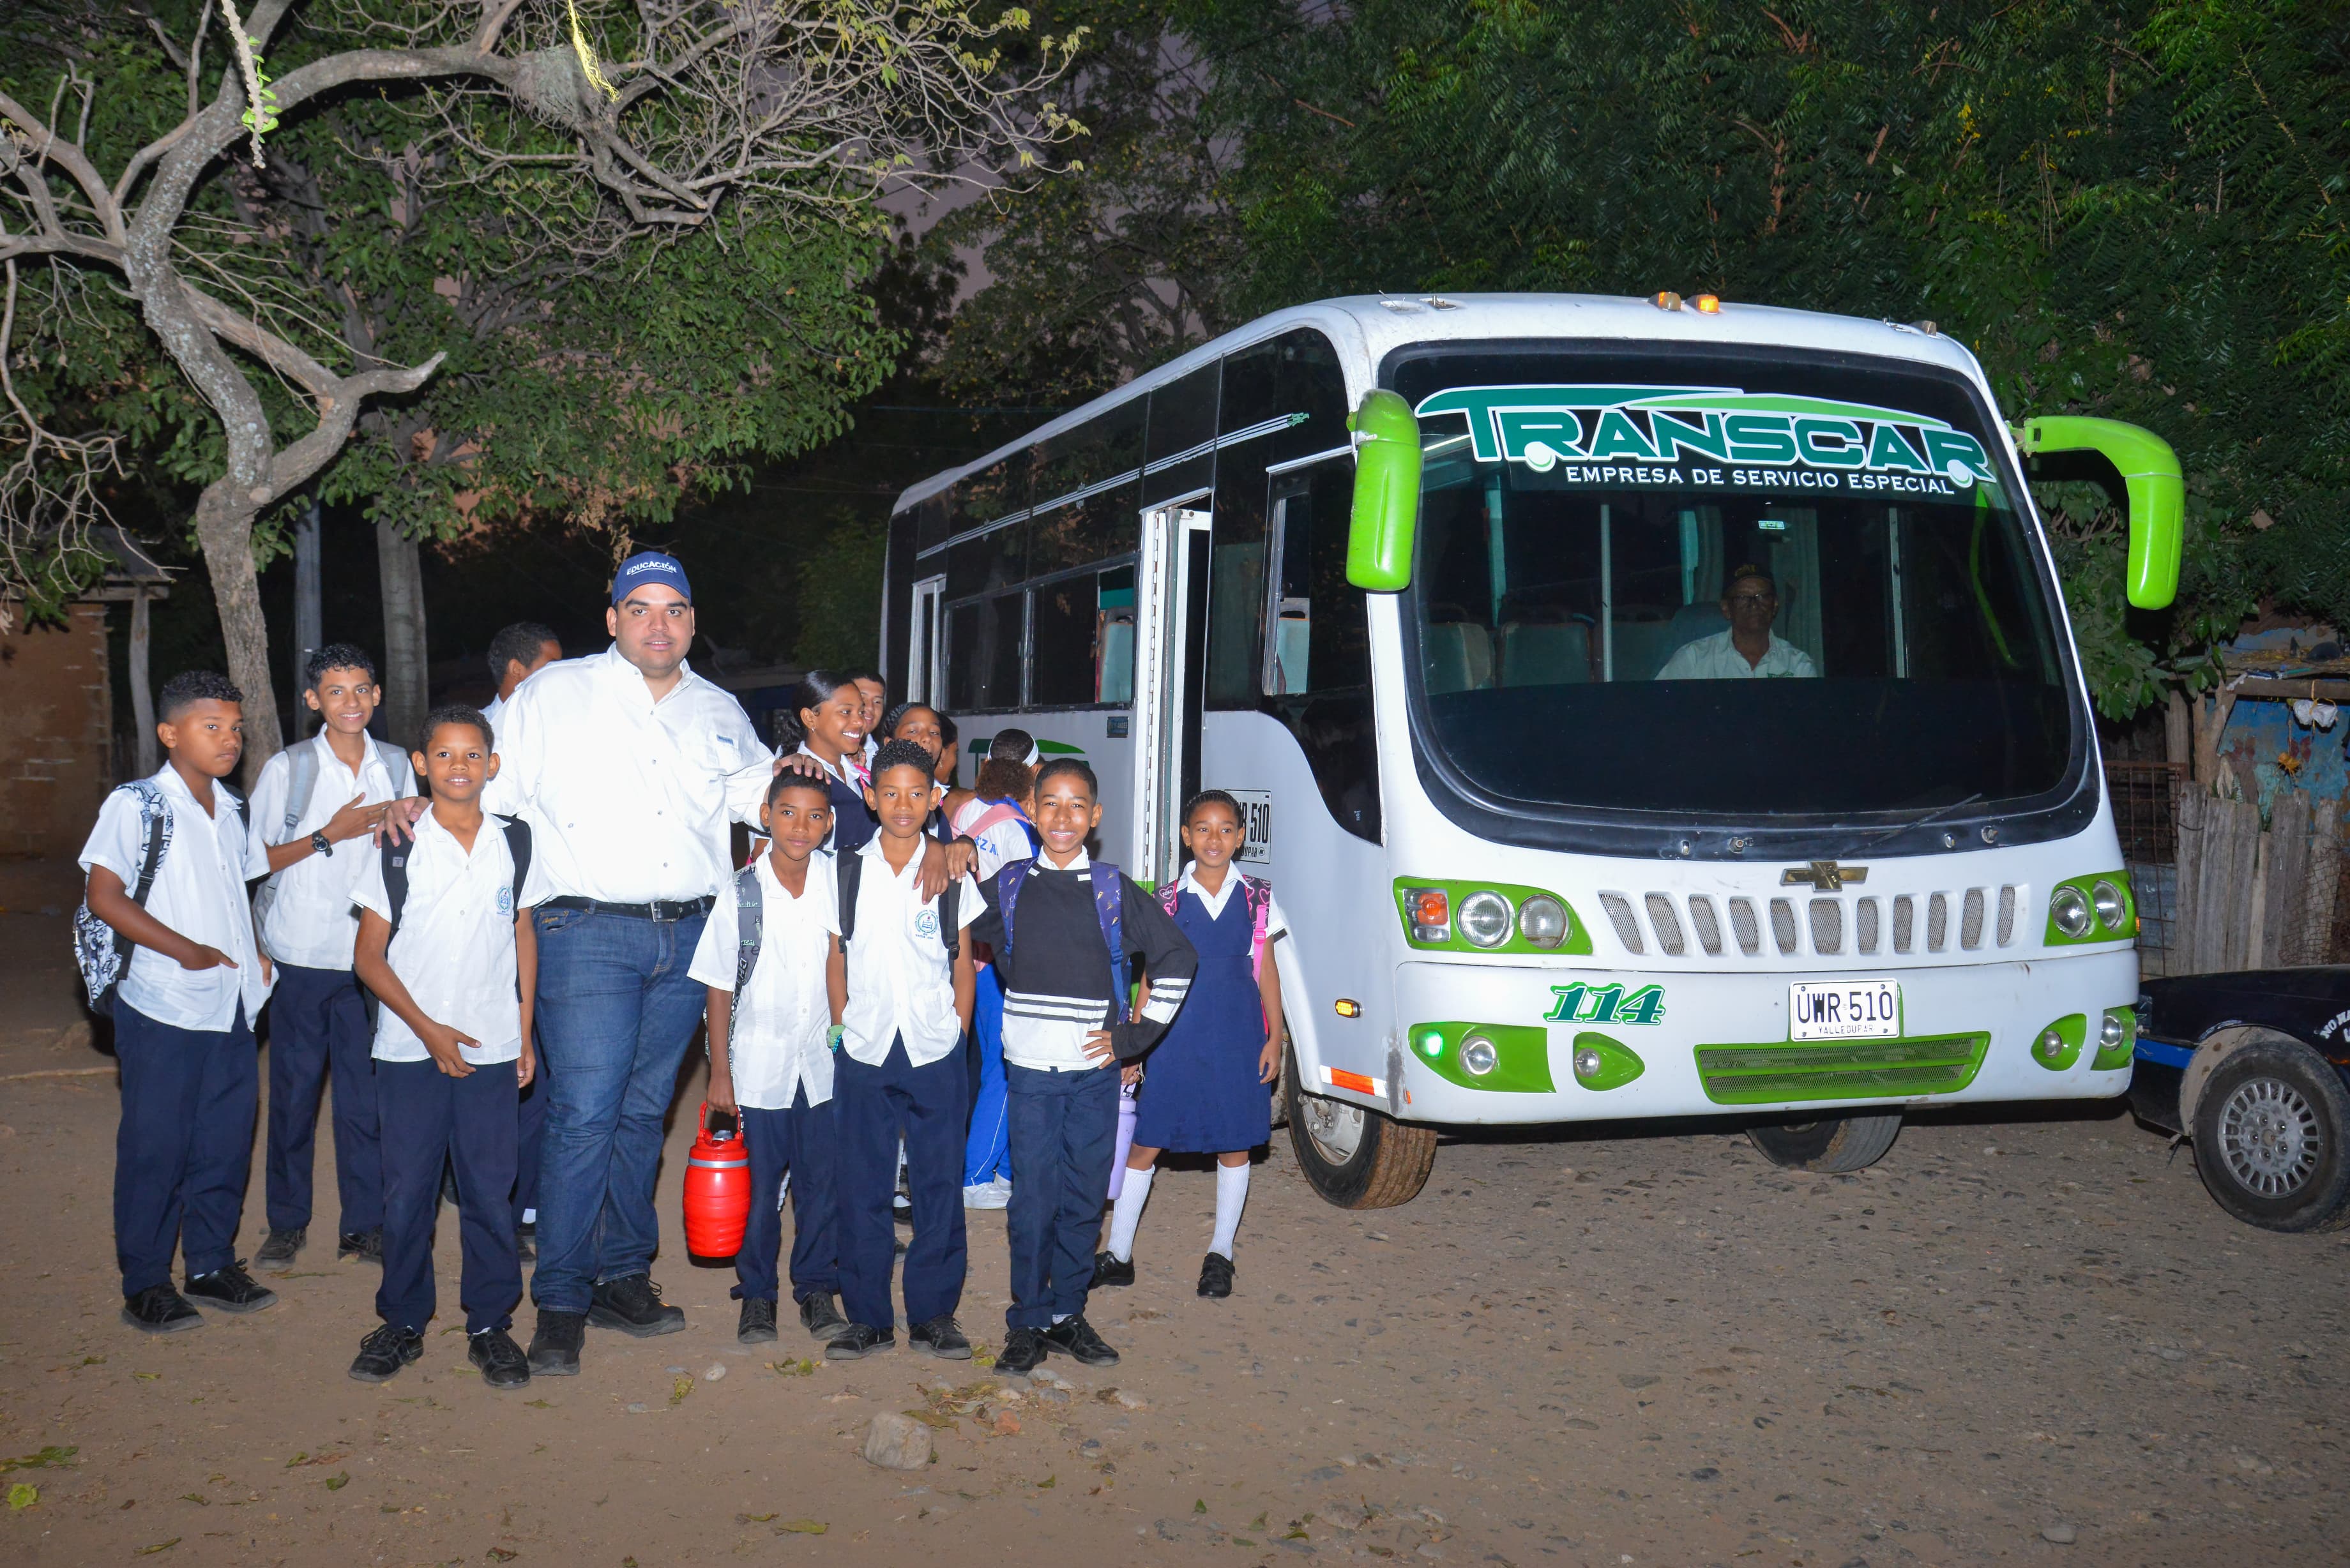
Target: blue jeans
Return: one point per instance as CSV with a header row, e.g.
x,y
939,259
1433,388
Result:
x,y
432,1120
183,1149
1064,1127
616,1010
317,1028
986,1153
875,1106
804,1141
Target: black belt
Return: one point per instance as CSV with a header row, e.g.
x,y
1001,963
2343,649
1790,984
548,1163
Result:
x,y
659,910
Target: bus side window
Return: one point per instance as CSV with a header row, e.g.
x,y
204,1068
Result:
x,y
1289,651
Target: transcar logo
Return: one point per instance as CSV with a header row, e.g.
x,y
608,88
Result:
x,y
1606,1004
1813,443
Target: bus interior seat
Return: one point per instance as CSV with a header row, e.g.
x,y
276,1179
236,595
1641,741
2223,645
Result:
x,y
1545,653
1642,641
1458,656
1691,622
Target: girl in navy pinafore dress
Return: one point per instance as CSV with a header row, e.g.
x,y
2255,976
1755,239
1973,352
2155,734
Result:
x,y
1209,1084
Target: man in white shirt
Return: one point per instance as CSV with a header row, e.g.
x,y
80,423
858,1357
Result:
x,y
314,809
907,1005
620,764
183,1010
518,652
1747,651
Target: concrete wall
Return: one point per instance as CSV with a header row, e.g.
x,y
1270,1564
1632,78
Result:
x,y
56,729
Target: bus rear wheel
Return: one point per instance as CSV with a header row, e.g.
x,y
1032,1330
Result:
x,y
1827,1143
1353,1157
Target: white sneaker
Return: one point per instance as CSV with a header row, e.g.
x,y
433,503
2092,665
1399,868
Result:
x,y
993,1193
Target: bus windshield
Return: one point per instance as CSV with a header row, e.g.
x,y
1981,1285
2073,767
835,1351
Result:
x,y
1765,586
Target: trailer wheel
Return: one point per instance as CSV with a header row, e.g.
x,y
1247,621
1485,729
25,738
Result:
x,y
1827,1143
2269,1131
1353,1157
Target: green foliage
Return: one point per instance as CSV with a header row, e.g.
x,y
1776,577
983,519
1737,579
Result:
x,y
840,595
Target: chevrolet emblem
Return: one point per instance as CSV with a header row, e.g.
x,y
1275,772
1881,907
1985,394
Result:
x,y
1822,875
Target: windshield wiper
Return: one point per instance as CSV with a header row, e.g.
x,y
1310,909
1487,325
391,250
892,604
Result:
x,y
1939,811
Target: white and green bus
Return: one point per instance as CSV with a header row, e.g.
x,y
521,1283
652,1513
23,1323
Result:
x,y
1644,708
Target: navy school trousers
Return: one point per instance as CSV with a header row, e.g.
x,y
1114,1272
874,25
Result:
x,y
183,1148
803,1140
430,1119
928,1107
319,1028
1062,1136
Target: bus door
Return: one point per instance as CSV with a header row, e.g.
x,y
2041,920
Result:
x,y
1169,676
925,675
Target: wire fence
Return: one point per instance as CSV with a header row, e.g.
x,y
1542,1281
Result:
x,y
2146,818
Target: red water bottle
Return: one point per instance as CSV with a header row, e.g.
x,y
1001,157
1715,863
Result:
x,y
717,1188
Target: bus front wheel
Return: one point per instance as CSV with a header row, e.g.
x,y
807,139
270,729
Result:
x,y
1827,1143
1353,1157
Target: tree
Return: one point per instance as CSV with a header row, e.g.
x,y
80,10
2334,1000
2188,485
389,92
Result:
x,y
585,187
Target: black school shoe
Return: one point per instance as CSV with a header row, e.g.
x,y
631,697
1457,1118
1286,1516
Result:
x,y
160,1309
1075,1338
941,1337
502,1362
1215,1276
1110,1271
232,1290
526,1241
555,1349
279,1248
820,1316
632,1304
367,1246
383,1353
1023,1353
859,1340
757,1324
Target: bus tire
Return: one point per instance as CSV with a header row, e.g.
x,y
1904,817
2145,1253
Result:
x,y
1356,1157
2268,1130
1827,1143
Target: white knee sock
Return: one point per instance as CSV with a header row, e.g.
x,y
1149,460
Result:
x,y
1127,1215
1232,1197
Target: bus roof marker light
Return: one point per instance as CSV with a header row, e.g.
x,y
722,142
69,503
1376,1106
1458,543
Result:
x,y
1708,305
1667,299
1386,492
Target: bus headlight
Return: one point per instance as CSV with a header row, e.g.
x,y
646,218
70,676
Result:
x,y
2069,910
2111,910
2110,1033
2051,1045
1541,921
1478,1056
1486,919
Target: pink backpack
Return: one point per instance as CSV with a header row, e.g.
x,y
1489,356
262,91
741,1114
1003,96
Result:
x,y
1258,894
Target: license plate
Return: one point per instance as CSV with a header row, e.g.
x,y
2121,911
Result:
x,y
1845,1010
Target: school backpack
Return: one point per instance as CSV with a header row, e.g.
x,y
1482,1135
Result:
x,y
302,764
850,871
750,915
1109,909
1258,894
101,952
1003,811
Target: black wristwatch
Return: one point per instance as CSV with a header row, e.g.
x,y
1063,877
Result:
x,y
319,842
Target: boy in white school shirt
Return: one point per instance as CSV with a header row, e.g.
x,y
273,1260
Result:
x,y
905,1004
446,945
183,1010
766,957
314,808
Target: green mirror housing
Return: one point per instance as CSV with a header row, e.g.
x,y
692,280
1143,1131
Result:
x,y
1386,492
2150,474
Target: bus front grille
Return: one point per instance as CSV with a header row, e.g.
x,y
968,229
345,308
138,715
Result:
x,y
1840,1070
1967,919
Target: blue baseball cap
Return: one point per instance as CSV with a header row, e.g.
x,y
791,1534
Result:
x,y
650,566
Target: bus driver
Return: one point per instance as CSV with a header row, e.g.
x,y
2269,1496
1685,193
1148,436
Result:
x,y
1747,651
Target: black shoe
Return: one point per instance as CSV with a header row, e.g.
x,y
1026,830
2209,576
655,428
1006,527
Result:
x,y
1075,1337
1108,1270
757,1324
526,1241
1023,1353
367,1246
941,1337
279,1248
632,1304
1215,1276
820,1316
383,1353
858,1340
555,1349
502,1362
231,1289
160,1309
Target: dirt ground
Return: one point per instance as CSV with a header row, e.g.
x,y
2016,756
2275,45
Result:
x,y
2030,1340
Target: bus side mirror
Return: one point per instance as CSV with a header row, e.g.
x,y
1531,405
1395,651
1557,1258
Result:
x,y
2156,490
1386,492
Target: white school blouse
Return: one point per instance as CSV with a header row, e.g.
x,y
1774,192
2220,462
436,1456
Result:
x,y
776,1031
311,921
900,980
